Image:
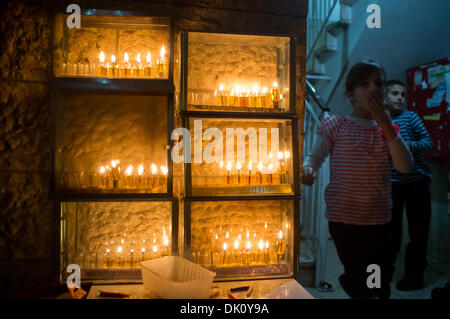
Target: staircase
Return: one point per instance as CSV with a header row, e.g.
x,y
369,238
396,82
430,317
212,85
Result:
x,y
331,38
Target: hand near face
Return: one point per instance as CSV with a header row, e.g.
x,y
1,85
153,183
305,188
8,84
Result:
x,y
377,110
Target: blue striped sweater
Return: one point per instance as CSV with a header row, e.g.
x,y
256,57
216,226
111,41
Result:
x,y
419,141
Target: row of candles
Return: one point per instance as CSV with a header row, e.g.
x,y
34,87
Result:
x,y
127,69
243,252
127,254
272,173
239,97
112,177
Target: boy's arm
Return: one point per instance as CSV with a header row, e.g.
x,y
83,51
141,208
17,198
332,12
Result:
x,y
402,159
424,143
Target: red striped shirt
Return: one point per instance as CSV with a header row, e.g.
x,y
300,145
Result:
x,y
359,192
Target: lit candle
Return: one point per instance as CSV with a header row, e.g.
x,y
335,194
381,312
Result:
x,y
128,178
243,99
155,251
275,95
115,171
221,98
140,173
270,173
228,172
102,175
266,253
162,66
260,254
238,167
143,253
101,69
138,71
131,257
164,172
119,255
114,67
154,170
225,247
148,70
126,71
249,173
260,172
107,257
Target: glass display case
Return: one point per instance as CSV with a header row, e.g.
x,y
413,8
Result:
x,y
241,157
108,142
109,239
243,239
112,46
242,73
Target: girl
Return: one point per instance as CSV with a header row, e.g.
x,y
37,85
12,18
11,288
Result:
x,y
358,197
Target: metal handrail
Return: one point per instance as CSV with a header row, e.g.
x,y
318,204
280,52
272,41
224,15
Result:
x,y
312,92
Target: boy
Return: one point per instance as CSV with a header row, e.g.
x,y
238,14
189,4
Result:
x,y
412,190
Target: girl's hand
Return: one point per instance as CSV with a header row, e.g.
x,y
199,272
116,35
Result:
x,y
378,111
309,175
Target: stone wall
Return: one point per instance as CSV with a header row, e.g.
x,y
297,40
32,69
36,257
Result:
x,y
26,213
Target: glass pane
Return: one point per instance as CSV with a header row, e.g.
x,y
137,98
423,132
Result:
x,y
110,239
110,143
243,239
241,157
112,46
238,73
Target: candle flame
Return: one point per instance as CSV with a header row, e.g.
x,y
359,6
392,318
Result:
x,y
239,237
164,170
280,155
125,58
107,250
221,88
132,250
229,166
155,249
129,170
267,244
238,166
216,236
102,57
102,170
249,166
119,249
261,244
264,90
248,234
255,89
280,234
140,170
138,58
149,59
113,59
287,154
275,84
227,236
270,167
166,241
236,244
249,245
154,169
162,53
260,166
114,163
225,246
221,164
143,249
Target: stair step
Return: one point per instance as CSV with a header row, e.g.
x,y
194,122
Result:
x,y
318,77
327,49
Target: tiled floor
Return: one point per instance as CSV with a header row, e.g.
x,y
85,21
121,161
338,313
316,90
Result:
x,y
437,275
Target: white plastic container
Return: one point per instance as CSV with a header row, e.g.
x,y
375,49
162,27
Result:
x,y
174,277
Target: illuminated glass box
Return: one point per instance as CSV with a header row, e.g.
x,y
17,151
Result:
x,y
242,239
109,46
110,143
108,240
241,157
246,73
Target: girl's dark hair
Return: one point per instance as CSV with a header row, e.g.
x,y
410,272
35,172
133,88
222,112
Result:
x,y
360,72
